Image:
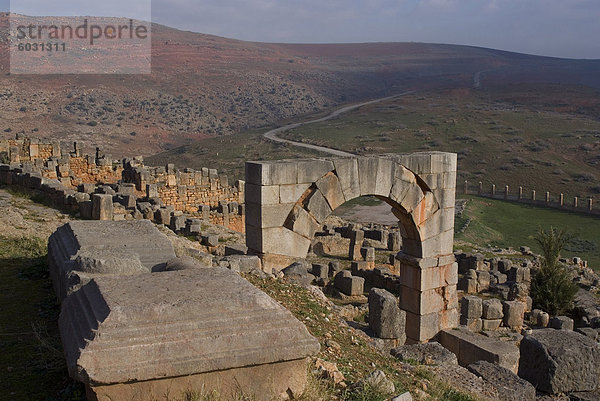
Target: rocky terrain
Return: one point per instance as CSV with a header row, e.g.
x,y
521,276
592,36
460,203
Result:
x,y
205,86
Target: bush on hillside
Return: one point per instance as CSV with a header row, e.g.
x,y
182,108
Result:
x,y
552,289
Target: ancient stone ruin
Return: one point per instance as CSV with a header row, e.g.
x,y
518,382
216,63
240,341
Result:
x,y
287,202
137,324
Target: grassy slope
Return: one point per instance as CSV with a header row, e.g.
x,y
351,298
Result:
x,y
32,361
505,224
504,136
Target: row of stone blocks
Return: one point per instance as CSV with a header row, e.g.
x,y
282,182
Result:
x,y
137,324
490,314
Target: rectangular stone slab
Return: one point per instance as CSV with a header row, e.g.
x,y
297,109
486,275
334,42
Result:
x,y
176,323
104,247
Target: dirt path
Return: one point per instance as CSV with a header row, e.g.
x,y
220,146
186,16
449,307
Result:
x,y
272,134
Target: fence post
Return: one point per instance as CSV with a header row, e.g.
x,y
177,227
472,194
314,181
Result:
x,y
576,202
480,188
590,204
506,192
533,194
493,190
520,193
466,187
562,200
547,197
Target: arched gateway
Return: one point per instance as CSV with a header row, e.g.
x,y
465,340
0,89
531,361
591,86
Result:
x,y
287,201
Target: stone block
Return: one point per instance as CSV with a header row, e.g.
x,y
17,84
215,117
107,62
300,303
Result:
x,y
386,319
426,354
318,207
347,172
510,386
356,240
311,170
266,216
483,281
561,323
514,312
350,285
320,270
492,309
490,324
394,241
475,325
471,347
236,249
301,222
102,207
292,193
191,328
368,254
471,307
281,241
560,361
79,250
243,263
262,194
330,187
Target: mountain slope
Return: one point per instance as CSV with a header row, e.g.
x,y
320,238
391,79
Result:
x,y
204,86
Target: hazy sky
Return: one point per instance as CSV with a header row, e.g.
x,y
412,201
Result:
x,y
562,28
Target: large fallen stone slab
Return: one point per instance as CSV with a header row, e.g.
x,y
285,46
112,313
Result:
x,y
510,386
560,361
470,347
82,250
175,331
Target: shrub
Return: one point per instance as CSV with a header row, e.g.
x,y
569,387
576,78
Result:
x,y
552,289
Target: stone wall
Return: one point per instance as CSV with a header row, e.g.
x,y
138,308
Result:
x,y
70,182
28,150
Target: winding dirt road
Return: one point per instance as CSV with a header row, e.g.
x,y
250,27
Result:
x,y
272,134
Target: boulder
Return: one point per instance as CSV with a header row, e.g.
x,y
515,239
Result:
x,y
560,361
561,323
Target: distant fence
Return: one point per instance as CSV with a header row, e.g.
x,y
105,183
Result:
x,y
531,197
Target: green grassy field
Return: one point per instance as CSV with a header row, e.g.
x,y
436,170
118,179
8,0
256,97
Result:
x,y
500,137
505,224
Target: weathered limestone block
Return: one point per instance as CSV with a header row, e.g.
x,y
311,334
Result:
x,y
310,170
356,240
318,207
330,187
426,354
510,386
490,324
102,207
347,171
80,250
492,309
561,323
471,347
514,312
348,284
560,361
386,319
471,307
182,330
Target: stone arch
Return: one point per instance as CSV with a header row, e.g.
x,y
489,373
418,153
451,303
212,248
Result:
x,y
287,202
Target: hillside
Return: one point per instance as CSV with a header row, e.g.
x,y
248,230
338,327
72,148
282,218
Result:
x,y
205,86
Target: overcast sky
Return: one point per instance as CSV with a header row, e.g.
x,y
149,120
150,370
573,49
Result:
x,y
562,28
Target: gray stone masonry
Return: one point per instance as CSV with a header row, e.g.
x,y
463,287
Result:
x,y
470,347
356,240
492,309
82,250
287,202
184,324
560,361
514,312
386,319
